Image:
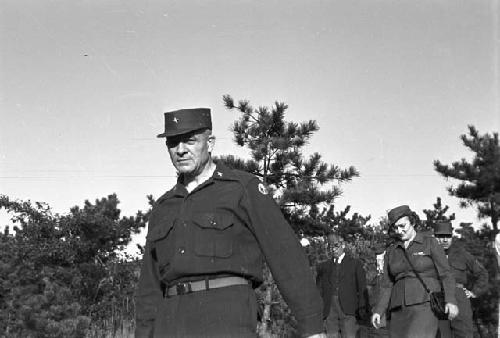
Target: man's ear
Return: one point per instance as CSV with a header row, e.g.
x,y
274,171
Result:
x,y
211,143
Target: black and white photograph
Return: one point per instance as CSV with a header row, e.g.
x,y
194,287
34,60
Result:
x,y
239,168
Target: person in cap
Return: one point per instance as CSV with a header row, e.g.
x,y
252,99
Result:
x,y
471,281
342,284
401,292
206,243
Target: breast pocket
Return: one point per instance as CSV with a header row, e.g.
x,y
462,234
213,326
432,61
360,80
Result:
x,y
458,265
422,260
213,235
158,237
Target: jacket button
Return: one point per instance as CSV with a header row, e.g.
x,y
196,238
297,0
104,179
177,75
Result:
x,y
182,250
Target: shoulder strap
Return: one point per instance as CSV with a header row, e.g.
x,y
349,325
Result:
x,y
416,273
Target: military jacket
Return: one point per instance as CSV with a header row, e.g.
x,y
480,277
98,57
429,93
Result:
x,y
467,270
226,226
400,286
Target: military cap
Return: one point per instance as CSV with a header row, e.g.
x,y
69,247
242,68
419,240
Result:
x,y
399,212
183,121
443,228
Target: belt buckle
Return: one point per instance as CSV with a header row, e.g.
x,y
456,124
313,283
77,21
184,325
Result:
x,y
183,288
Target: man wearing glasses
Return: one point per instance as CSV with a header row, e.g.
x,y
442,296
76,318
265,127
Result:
x,y
342,285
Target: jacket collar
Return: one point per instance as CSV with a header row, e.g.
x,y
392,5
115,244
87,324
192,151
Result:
x,y
419,238
177,191
341,258
346,258
221,172
455,246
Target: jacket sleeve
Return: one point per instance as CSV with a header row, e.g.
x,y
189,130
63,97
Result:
x,y
443,270
147,296
479,272
319,274
363,301
284,255
386,285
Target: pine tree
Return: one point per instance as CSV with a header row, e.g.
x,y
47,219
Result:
x,y
436,214
301,185
348,227
480,178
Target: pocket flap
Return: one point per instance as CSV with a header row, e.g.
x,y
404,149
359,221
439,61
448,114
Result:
x,y
159,231
458,264
209,220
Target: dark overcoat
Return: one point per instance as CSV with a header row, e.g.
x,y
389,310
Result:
x,y
353,295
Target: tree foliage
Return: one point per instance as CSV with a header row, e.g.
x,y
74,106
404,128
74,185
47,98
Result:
x,y
59,274
436,214
480,178
301,184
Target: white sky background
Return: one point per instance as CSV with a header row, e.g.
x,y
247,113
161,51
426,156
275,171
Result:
x,y
392,85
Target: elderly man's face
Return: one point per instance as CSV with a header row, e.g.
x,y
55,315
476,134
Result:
x,y
190,153
336,246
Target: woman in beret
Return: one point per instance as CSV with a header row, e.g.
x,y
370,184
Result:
x,y
401,291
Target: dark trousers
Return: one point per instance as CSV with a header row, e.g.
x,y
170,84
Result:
x,y
461,326
338,324
414,321
224,312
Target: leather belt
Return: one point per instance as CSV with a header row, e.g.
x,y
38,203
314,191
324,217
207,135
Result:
x,y
201,285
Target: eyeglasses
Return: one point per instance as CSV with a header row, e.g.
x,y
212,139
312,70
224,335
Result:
x,y
335,244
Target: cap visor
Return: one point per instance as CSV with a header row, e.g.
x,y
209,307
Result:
x,y
178,132
442,233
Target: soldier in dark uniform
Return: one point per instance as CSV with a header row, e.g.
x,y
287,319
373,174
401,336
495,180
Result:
x,y
207,240
464,266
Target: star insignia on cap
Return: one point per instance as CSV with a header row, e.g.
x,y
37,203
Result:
x,y
175,119
219,174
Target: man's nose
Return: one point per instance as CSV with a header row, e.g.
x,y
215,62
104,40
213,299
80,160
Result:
x,y
181,148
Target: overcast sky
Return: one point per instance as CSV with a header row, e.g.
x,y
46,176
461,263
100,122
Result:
x,y
392,85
